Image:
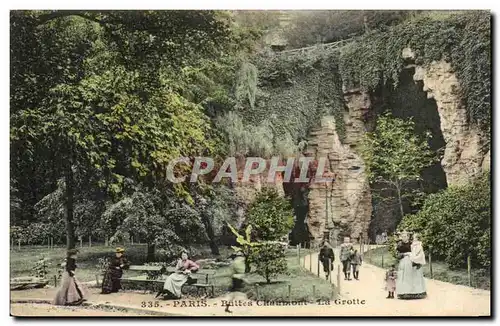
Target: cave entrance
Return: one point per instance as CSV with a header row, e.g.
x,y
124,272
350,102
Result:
x,y
407,100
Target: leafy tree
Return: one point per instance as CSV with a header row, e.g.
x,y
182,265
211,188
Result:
x,y
455,223
395,157
270,260
166,224
271,215
96,92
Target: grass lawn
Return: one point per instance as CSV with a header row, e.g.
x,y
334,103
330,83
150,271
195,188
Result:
x,y
440,271
301,282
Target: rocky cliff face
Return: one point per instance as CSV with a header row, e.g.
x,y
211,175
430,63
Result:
x,y
465,154
344,206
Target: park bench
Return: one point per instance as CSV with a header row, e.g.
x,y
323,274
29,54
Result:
x,y
151,277
201,279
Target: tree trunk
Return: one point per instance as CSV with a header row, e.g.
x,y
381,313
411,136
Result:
x,y
151,252
70,191
210,233
400,202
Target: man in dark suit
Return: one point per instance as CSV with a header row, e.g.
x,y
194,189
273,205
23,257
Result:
x,y
326,257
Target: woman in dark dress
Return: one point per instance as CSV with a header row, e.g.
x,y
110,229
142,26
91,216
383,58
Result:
x,y
111,282
71,291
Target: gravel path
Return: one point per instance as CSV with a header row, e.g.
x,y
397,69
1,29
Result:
x,y
365,297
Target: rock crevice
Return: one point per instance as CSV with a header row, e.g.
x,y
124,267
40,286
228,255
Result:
x,y
466,153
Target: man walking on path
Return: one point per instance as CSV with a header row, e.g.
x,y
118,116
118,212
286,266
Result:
x,y
326,257
345,257
356,261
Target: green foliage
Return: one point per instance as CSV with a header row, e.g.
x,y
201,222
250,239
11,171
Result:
x,y
40,269
246,245
111,96
271,215
102,265
169,224
462,39
270,260
295,91
312,27
246,86
395,156
456,223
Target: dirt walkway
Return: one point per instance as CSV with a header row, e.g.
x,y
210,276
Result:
x,y
444,299
365,297
46,310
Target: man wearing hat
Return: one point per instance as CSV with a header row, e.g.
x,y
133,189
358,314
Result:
x,y
346,251
326,257
111,282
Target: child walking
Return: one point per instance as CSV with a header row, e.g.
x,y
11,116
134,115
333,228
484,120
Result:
x,y
390,281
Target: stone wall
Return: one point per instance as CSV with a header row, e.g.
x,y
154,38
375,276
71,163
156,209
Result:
x,y
349,200
465,154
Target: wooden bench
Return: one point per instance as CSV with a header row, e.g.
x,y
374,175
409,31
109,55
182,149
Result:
x,y
152,278
201,279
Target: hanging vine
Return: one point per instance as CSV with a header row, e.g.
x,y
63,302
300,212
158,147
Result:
x,y
463,39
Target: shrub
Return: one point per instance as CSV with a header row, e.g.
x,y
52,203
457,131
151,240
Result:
x,y
456,223
269,260
271,215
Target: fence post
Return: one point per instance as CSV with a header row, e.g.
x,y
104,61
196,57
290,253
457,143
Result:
x,y
55,281
289,292
81,242
51,242
430,261
314,291
469,270
48,242
382,259
330,270
90,241
298,254
338,280
19,244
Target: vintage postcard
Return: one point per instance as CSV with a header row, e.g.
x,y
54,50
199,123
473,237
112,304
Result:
x,y
327,163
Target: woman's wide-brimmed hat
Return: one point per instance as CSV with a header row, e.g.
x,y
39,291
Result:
x,y
120,250
72,252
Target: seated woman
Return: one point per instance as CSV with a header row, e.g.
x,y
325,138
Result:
x,y
176,280
111,282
